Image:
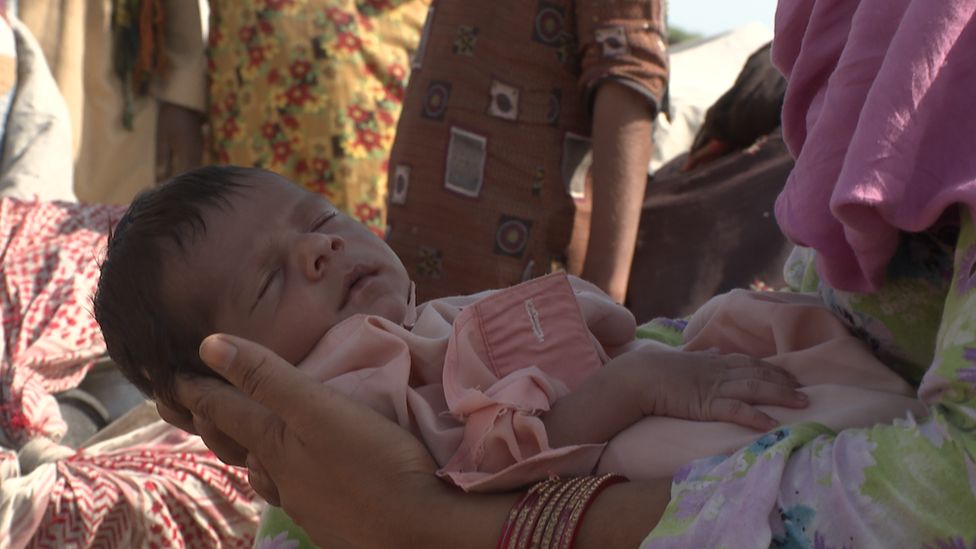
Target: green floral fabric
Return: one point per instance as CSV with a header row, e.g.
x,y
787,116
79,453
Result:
x,y
908,484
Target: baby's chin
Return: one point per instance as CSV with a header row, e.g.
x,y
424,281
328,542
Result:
x,y
391,310
394,305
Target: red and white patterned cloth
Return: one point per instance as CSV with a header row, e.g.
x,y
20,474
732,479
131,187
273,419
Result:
x,y
152,487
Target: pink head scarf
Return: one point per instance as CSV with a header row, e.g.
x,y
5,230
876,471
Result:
x,y
880,114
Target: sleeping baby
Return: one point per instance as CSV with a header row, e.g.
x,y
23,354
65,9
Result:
x,y
504,387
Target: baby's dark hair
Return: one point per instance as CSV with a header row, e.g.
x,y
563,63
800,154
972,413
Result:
x,y
143,335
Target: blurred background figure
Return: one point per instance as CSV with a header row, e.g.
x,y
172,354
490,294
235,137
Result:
x,y
524,143
121,98
35,130
308,88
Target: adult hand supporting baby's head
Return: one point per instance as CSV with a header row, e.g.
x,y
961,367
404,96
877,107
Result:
x,y
338,467
220,444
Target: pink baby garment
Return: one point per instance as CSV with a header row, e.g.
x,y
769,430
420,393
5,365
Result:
x,y
473,375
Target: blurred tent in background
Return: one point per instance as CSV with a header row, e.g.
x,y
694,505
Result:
x,y
707,223
701,71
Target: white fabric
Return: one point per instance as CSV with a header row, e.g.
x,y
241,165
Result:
x,y
36,157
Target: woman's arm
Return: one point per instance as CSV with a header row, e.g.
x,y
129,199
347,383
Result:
x,y
623,72
348,475
622,147
621,516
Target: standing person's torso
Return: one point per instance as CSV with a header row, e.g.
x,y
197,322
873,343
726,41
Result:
x,y
112,163
312,89
493,144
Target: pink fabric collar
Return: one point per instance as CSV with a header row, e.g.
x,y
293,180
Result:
x,y
880,115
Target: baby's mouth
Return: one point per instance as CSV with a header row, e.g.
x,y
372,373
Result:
x,y
353,281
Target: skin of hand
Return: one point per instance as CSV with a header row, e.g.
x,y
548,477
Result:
x,y
349,476
179,140
622,146
654,381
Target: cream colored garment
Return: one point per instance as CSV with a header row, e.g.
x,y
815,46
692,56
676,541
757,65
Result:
x,y
472,376
112,164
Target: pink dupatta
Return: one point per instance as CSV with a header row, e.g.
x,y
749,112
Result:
x,y
895,149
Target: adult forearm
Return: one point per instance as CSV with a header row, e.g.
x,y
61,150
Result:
x,y
621,516
622,146
457,519
624,514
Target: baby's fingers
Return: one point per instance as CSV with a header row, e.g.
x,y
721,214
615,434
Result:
x,y
738,361
738,412
763,371
754,390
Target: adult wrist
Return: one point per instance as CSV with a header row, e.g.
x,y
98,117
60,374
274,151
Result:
x,y
445,516
550,515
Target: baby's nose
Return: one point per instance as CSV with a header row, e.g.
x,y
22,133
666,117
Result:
x,y
315,250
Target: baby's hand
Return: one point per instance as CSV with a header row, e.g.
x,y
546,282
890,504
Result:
x,y
658,381
711,387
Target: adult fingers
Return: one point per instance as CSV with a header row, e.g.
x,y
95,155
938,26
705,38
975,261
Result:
x,y
268,379
229,417
176,416
225,448
738,412
261,481
275,404
758,391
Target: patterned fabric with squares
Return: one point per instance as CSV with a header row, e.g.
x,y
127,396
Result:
x,y
489,172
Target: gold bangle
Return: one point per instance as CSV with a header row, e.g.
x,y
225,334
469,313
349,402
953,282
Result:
x,y
528,528
549,515
516,517
582,503
567,495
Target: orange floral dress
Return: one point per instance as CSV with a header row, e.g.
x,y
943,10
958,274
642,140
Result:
x,y
312,89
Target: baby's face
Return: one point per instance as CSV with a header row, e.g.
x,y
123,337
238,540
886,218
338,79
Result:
x,y
281,266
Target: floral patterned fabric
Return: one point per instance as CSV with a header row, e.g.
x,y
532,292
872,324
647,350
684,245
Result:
x,y
908,484
278,531
312,89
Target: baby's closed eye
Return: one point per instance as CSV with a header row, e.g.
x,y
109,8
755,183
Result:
x,y
323,219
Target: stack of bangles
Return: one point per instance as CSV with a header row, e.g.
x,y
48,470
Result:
x,y
550,514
